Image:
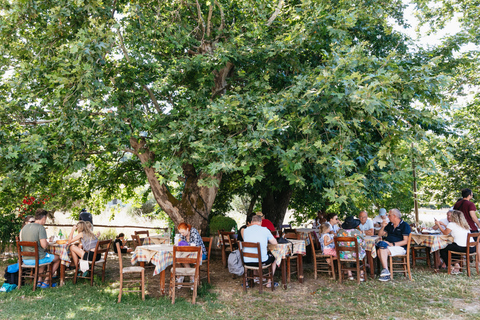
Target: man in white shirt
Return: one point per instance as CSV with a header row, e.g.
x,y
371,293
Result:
x,y
443,222
256,233
366,224
382,217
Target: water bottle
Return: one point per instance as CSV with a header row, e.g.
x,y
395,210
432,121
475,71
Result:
x,y
60,234
177,239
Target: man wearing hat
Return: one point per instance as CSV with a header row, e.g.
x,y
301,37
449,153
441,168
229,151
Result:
x,y
265,222
382,216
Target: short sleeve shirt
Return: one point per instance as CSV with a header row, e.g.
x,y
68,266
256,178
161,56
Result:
x,y
196,239
466,206
396,234
262,235
268,224
34,232
367,226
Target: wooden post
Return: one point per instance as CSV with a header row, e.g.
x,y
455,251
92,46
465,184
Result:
x,y
415,203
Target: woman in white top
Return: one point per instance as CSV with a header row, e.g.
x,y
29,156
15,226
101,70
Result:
x,y
333,221
459,229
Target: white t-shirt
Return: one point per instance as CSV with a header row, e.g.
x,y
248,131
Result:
x,y
367,226
458,233
256,233
378,219
445,220
334,228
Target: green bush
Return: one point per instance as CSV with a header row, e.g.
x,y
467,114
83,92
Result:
x,y
221,223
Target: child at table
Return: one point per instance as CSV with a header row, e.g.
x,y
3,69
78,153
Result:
x,y
326,240
121,240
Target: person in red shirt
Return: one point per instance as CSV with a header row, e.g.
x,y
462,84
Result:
x,y
468,208
266,223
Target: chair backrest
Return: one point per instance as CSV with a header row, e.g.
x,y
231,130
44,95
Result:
x,y
185,258
137,233
316,241
285,226
310,237
471,242
255,255
227,238
207,241
136,240
292,235
346,244
21,245
289,230
102,247
119,252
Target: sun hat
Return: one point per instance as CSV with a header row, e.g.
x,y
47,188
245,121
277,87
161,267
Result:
x,y
350,223
259,213
382,212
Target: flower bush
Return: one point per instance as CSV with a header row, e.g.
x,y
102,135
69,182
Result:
x,y
30,204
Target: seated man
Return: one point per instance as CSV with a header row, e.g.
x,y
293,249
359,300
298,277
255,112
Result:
x,y
382,216
366,224
396,232
443,223
36,232
256,233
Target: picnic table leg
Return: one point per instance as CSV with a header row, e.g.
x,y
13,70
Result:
x,y
62,274
300,268
284,273
436,258
370,263
162,282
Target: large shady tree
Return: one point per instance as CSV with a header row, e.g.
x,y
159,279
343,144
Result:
x,y
97,97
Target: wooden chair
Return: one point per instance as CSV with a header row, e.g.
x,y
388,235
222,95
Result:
x,y
290,257
183,255
320,260
136,240
289,230
142,232
101,248
420,253
464,257
34,269
208,245
130,270
229,243
401,263
344,244
249,274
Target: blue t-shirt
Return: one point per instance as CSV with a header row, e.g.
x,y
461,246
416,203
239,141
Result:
x,y
367,226
396,234
256,233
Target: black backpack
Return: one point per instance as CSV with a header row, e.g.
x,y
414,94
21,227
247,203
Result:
x,y
11,278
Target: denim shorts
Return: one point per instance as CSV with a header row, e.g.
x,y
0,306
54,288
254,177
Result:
x,y
48,258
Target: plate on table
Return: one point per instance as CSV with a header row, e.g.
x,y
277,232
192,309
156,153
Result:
x,y
61,241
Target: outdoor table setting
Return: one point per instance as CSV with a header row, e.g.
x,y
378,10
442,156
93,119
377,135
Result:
x,y
435,241
63,252
156,239
159,255
282,250
304,234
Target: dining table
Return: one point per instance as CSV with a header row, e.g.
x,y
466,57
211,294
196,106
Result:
x,y
156,239
160,255
435,241
64,253
371,252
282,250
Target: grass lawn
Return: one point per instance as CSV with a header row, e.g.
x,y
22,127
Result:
x,y
429,296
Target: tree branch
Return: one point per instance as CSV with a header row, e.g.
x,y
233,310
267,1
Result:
x,y
276,13
222,16
201,22
209,20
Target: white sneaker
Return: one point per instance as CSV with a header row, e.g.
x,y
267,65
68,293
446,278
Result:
x,y
384,273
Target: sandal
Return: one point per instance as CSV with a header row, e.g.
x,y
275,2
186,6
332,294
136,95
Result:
x,y
39,284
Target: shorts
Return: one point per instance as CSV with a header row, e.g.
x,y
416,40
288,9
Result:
x,y
89,256
48,258
270,259
204,256
397,250
330,252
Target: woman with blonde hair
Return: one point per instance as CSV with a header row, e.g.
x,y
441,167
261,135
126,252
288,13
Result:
x,y
87,239
459,229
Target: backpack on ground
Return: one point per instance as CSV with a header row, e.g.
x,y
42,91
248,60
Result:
x,y
235,265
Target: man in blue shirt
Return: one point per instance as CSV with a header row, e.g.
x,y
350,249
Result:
x,y
396,232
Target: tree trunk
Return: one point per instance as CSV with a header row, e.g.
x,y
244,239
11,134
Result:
x,y
196,202
275,205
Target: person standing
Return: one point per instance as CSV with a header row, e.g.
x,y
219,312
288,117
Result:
x,y
468,208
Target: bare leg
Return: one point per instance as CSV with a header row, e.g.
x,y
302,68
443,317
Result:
x,y
383,255
77,254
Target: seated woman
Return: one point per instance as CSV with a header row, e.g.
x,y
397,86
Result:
x,y
459,229
248,222
121,240
191,235
349,229
88,241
